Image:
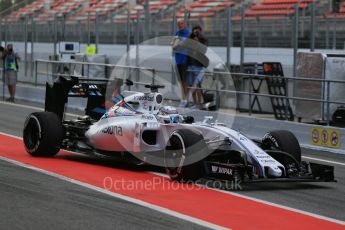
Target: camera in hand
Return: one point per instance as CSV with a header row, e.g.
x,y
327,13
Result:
x,y
195,34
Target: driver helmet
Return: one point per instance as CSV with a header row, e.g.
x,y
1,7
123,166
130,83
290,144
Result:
x,y
166,110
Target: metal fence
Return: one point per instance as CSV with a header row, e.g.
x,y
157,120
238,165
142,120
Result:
x,y
239,86
48,71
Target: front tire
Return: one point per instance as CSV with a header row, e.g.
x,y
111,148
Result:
x,y
184,154
284,141
43,134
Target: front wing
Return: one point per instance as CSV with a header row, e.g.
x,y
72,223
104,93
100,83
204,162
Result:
x,y
312,172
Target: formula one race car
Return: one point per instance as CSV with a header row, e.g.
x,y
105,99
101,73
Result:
x,y
141,130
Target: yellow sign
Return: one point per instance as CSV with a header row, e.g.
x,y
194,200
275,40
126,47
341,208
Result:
x,y
90,50
325,137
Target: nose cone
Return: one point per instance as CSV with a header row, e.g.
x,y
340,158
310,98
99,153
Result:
x,y
274,172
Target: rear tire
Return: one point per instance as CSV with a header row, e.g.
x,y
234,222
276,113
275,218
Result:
x,y
284,141
43,134
184,154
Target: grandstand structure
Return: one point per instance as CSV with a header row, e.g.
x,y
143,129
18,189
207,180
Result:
x,y
79,10
267,21
276,8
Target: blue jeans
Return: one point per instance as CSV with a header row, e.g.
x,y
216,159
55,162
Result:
x,y
195,75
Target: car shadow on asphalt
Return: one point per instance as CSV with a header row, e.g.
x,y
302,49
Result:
x,y
284,186
264,186
209,183
109,162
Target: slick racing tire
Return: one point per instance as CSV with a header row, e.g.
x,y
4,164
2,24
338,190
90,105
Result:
x,y
284,141
43,134
184,154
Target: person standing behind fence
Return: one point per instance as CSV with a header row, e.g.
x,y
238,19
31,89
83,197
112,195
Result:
x,y
181,58
2,51
11,59
197,61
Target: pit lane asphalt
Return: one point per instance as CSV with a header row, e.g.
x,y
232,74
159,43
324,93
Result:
x,y
32,200
326,199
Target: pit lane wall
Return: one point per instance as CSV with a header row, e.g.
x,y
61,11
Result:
x,y
309,135
327,138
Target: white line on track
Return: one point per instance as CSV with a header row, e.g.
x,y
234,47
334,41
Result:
x,y
270,203
175,214
115,195
331,150
267,202
325,161
119,196
9,135
283,207
32,107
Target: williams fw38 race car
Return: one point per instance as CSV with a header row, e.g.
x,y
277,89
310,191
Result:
x,y
141,130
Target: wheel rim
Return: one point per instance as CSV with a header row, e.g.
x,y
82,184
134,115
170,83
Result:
x,y
32,134
175,155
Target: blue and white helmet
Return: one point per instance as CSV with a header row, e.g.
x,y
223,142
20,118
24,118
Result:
x,y
165,110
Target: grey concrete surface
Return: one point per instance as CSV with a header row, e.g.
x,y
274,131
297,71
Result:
x,y
32,200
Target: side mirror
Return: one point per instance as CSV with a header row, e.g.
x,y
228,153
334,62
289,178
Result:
x,y
188,119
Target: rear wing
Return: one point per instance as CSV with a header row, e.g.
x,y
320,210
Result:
x,y
64,87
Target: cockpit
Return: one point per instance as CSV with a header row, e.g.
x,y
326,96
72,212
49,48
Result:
x,y
168,115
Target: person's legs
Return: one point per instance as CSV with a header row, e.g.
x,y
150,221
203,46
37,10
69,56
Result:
x,y
198,81
11,78
12,90
185,90
199,96
184,81
181,72
189,81
195,98
198,92
194,71
6,82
